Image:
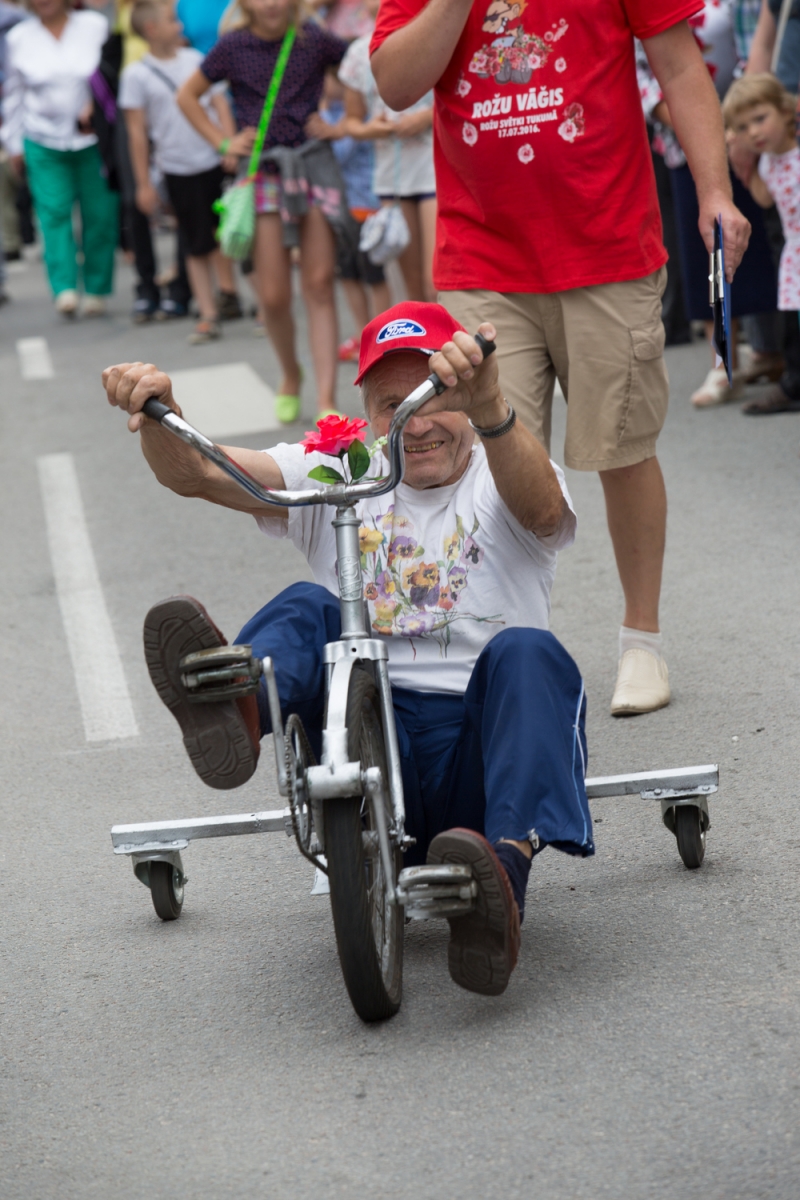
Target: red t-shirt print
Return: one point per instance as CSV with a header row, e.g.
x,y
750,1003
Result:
x,y
543,169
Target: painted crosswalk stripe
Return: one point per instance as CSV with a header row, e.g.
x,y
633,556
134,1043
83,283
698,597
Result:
x,y
225,400
102,689
34,358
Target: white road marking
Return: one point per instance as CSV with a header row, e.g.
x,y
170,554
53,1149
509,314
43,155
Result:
x,y
34,358
102,689
226,400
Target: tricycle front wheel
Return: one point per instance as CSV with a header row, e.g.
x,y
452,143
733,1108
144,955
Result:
x,y
369,930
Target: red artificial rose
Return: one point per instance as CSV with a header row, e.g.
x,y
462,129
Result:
x,y
334,435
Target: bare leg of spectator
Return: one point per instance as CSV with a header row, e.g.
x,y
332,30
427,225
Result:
x,y
427,229
381,298
410,261
636,507
273,280
356,296
317,267
201,279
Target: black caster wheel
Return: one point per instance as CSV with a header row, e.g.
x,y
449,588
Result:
x,y
166,889
691,834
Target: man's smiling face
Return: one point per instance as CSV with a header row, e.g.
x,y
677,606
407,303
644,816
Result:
x,y
437,447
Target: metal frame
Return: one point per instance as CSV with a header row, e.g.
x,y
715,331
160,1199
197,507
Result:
x,y
159,839
211,675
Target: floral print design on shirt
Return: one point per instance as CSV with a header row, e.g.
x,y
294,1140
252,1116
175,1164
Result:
x,y
573,125
511,59
409,594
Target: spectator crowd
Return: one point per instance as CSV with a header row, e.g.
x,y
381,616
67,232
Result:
x,y
151,116
142,114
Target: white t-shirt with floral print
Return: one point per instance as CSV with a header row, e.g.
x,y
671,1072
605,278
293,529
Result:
x,y
444,569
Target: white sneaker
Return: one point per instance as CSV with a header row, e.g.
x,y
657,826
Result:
x,y
642,684
715,389
93,306
67,302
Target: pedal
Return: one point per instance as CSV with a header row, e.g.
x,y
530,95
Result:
x,y
223,673
436,891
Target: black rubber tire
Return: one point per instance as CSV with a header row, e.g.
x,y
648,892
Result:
x,y
690,834
166,890
369,932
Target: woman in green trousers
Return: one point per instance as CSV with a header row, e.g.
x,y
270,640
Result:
x,y
47,105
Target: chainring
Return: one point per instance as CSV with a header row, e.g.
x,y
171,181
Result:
x,y
300,756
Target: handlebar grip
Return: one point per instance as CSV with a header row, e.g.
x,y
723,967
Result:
x,y
486,348
155,409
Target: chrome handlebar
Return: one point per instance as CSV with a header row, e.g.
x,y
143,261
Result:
x,y
338,493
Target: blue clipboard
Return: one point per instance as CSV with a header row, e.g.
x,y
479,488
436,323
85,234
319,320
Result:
x,y
720,300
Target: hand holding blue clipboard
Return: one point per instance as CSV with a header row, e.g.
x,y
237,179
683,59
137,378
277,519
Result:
x,y
720,299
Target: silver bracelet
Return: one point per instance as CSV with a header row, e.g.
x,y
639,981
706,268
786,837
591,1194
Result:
x,y
500,429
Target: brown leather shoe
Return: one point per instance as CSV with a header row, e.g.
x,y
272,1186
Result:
x,y
221,739
484,944
764,366
774,400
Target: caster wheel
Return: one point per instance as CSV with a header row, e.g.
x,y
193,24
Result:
x,y
166,889
690,834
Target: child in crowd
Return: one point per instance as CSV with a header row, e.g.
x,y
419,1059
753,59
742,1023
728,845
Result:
x,y
192,170
363,282
403,159
348,19
245,56
761,112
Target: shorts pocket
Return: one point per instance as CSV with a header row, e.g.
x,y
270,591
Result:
x,y
645,409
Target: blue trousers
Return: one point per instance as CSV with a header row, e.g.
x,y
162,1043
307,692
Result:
x,y
506,758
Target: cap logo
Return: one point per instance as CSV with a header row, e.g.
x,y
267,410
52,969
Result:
x,y
400,329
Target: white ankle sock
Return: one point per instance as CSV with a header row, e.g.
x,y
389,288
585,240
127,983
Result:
x,y
638,639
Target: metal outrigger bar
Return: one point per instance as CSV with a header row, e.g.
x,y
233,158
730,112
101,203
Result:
x,y
427,891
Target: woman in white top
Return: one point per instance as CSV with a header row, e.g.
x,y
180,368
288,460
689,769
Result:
x,y
404,170
47,108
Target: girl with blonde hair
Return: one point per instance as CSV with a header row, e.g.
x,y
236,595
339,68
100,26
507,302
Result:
x,y
245,56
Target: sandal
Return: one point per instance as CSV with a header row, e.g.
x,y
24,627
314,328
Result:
x,y
205,331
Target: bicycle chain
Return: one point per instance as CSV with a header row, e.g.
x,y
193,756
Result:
x,y
295,725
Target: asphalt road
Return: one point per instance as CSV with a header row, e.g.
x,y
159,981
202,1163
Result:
x,y
648,1044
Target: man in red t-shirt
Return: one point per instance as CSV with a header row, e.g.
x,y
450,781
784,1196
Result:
x,y
549,226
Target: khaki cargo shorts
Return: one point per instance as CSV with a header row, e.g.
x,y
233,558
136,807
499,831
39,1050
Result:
x,y
605,344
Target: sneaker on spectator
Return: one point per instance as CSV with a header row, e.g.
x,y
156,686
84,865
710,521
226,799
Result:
x,y
93,306
171,310
642,684
67,302
715,388
144,309
348,351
